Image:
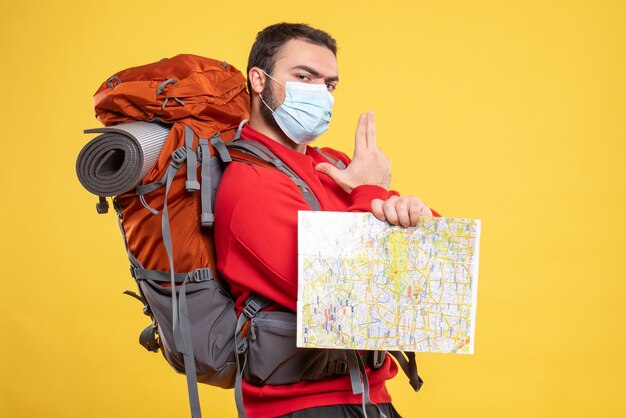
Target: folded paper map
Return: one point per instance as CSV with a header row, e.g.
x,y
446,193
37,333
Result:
x,y
364,284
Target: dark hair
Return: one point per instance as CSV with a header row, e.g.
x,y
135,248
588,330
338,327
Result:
x,y
271,39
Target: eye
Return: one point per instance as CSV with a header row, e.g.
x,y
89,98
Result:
x,y
331,87
303,77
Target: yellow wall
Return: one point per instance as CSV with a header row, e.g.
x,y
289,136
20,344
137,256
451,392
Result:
x,y
510,112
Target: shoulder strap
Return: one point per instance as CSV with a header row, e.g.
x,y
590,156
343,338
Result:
x,y
337,163
242,150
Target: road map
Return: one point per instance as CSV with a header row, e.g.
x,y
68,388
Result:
x,y
364,284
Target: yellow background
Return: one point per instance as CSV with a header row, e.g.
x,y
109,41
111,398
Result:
x,y
509,112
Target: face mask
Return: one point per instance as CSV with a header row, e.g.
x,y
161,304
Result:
x,y
305,114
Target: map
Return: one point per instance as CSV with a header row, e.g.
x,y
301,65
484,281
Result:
x,y
365,284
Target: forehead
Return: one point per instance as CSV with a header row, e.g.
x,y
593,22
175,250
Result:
x,y
298,52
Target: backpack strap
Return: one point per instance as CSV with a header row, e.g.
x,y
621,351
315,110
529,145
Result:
x,y
409,367
360,382
192,162
260,151
180,313
206,189
337,163
254,304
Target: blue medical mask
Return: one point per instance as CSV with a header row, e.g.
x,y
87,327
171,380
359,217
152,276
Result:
x,y
305,113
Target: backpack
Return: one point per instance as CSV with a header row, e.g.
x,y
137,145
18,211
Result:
x,y
170,126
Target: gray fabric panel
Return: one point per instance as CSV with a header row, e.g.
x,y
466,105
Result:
x,y
117,160
213,320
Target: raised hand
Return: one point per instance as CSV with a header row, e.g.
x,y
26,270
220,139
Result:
x,y
368,166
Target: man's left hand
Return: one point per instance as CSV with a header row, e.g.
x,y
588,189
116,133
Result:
x,y
400,210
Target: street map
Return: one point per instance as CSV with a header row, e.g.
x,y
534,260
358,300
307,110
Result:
x,y
365,284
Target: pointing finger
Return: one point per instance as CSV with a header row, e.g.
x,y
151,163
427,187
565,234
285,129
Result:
x,y
371,130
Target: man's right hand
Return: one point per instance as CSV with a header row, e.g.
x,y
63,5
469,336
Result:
x,y
368,166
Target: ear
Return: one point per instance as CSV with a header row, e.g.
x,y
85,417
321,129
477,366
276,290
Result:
x,y
257,80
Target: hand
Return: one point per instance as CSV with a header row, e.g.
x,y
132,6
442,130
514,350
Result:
x,y
400,210
369,165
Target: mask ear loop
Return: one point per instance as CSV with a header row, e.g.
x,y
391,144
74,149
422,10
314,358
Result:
x,y
272,78
261,97
266,105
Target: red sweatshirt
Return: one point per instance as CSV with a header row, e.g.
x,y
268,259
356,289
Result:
x,y
256,226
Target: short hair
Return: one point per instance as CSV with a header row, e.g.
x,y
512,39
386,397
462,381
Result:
x,y
270,40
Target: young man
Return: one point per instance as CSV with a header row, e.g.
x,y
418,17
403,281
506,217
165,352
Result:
x,y
292,73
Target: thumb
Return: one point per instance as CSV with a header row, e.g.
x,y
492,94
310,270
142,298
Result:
x,y
338,176
328,169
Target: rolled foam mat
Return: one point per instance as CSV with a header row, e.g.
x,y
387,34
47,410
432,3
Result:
x,y
115,161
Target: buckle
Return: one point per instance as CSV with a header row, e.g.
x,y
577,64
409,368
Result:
x,y
134,272
242,346
251,309
378,358
202,143
341,367
179,156
200,275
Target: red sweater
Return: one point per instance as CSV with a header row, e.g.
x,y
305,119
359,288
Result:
x,y
256,226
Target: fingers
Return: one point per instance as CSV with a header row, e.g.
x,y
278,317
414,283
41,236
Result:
x,y
389,208
377,209
360,136
416,210
365,135
404,211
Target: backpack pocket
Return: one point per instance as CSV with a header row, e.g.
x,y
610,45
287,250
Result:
x,y
274,359
212,320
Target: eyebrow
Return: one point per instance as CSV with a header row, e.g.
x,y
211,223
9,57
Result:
x,y
314,73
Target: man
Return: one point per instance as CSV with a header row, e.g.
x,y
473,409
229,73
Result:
x,y
292,73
